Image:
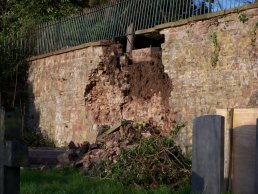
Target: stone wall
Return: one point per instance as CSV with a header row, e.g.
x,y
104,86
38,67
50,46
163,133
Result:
x,y
56,88
212,64
202,66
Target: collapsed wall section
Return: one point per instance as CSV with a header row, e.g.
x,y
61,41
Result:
x,y
74,94
138,90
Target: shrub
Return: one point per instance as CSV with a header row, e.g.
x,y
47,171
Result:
x,y
155,161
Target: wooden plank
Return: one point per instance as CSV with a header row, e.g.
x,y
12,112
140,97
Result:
x,y
44,157
130,39
244,151
111,130
228,114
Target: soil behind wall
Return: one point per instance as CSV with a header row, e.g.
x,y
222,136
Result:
x,y
136,90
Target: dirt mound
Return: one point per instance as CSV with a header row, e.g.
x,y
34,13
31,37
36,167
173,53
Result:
x,y
138,90
147,79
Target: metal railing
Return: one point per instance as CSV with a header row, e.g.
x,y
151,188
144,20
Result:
x,y
111,21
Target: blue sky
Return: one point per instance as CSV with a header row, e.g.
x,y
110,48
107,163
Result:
x,y
219,5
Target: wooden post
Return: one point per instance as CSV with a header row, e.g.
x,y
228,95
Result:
x,y
13,154
228,114
130,39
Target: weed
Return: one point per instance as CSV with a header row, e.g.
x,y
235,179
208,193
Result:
x,y
242,17
215,50
176,130
236,10
253,34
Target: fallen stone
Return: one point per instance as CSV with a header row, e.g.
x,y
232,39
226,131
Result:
x,y
44,168
79,164
72,146
83,149
146,134
93,146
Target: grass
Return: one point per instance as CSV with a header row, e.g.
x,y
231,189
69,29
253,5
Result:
x,y
74,182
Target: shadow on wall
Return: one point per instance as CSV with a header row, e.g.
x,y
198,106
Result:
x,y
17,98
33,134
244,158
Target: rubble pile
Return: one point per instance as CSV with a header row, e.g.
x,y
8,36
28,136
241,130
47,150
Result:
x,y
109,152
108,145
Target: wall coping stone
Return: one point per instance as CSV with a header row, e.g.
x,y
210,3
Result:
x,y
66,50
206,16
197,18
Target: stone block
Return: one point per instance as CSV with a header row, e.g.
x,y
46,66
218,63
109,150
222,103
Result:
x,y
208,154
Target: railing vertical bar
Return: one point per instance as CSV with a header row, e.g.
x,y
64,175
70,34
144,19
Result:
x,y
166,11
47,29
100,20
73,36
138,23
201,8
180,16
85,27
106,16
38,43
124,23
95,24
90,27
98,24
146,16
155,10
70,36
169,11
152,10
134,8
177,10
160,13
111,22
75,31
186,9
86,20
103,18
129,14
209,6
51,42
193,11
173,10
141,13
59,34
114,26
